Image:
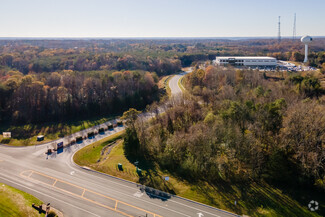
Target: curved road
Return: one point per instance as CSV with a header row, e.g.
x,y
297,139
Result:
x,y
173,83
81,192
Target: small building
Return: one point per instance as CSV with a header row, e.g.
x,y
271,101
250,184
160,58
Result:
x,y
40,138
265,62
6,134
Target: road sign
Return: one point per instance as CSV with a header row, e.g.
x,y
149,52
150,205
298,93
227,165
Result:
x,y
59,145
6,134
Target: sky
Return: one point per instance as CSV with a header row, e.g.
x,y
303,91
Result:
x,y
163,18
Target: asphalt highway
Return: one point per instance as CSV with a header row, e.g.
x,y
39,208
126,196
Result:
x,y
81,192
173,83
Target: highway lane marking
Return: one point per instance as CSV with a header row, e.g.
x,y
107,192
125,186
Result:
x,y
83,193
95,202
204,211
138,194
84,190
81,171
30,174
60,200
72,173
226,212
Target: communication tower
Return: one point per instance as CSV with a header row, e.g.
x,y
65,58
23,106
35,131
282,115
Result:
x,y
294,28
279,30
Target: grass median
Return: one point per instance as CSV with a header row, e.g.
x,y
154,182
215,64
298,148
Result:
x,y
14,202
256,199
89,155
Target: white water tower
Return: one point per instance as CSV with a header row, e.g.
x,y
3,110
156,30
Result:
x,y
306,40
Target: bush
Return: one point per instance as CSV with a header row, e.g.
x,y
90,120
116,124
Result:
x,y
5,140
51,214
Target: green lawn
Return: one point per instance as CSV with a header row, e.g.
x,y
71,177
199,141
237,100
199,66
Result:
x,y
14,202
91,153
255,199
25,135
180,84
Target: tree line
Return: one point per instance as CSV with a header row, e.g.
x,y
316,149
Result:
x,y
161,56
57,96
39,60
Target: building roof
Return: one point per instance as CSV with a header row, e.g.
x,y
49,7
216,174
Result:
x,y
246,57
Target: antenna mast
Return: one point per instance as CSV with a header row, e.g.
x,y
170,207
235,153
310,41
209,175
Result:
x,y
294,28
279,30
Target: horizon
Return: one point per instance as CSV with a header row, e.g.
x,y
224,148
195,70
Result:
x,y
157,38
150,19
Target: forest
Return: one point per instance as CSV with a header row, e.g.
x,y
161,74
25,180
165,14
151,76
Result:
x,y
39,85
46,80
238,126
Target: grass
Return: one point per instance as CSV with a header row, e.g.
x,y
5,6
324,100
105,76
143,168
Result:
x,y
163,83
180,84
25,135
90,154
14,202
254,199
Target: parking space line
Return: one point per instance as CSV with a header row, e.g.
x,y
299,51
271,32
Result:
x,y
83,192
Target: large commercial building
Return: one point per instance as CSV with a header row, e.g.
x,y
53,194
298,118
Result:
x,y
247,61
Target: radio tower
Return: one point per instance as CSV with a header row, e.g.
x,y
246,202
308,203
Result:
x,y
279,30
294,28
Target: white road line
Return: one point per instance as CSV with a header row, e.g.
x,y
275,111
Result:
x,y
49,196
138,194
194,208
147,201
127,195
